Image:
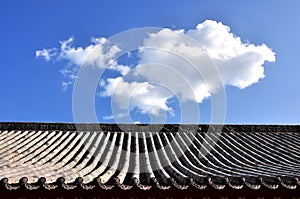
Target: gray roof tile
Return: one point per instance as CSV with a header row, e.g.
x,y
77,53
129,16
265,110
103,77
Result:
x,y
50,155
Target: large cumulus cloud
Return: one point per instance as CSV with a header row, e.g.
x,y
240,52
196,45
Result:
x,y
166,66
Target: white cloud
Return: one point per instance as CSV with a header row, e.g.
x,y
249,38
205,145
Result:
x,y
47,54
120,68
164,69
69,72
240,64
65,85
99,54
108,117
145,96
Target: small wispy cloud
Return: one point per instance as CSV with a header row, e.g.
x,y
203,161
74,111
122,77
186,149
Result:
x,y
108,117
47,54
65,85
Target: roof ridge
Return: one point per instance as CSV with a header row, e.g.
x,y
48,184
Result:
x,y
147,127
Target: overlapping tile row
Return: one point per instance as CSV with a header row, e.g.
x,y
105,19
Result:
x,y
176,156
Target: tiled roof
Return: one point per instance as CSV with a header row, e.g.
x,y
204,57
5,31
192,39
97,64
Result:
x,y
51,155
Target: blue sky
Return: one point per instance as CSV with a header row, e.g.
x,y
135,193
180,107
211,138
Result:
x,y
31,87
